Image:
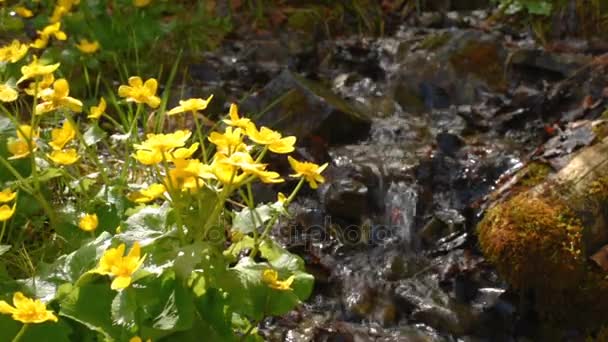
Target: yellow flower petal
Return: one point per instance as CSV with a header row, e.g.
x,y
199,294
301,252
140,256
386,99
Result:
x,y
6,212
61,136
13,52
190,105
35,69
97,111
67,157
27,310
23,12
19,148
85,46
310,171
139,92
7,195
8,93
88,222
141,3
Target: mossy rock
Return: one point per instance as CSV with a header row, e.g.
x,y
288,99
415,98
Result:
x,y
535,240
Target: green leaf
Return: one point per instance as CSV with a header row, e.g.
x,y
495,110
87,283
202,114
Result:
x,y
247,220
178,313
4,249
47,331
69,268
49,173
287,264
93,135
91,305
124,307
538,7
147,225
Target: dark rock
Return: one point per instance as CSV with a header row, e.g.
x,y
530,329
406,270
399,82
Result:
x,y
565,65
449,143
304,108
347,199
456,71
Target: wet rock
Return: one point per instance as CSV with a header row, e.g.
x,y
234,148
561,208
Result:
x,y
564,65
454,73
435,308
347,199
354,192
304,108
449,143
444,222
558,150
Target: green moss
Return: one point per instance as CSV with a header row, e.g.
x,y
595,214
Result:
x,y
536,243
534,174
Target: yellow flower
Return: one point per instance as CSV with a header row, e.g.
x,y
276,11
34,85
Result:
x,y
120,267
7,195
190,105
235,120
27,310
61,8
273,139
14,52
6,212
8,93
281,198
310,171
138,339
97,111
225,171
229,142
19,148
61,157
62,136
85,46
165,142
24,132
271,278
46,82
35,69
140,92
188,174
141,3
148,157
23,12
58,98
245,162
53,30
149,194
182,152
88,222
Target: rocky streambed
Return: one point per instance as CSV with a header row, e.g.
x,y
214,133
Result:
x,y
420,128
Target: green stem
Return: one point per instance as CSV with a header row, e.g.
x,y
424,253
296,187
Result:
x,y
21,332
275,217
90,153
3,229
35,193
219,206
201,138
176,205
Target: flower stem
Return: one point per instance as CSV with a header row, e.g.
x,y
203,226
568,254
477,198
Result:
x,y
21,332
275,217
